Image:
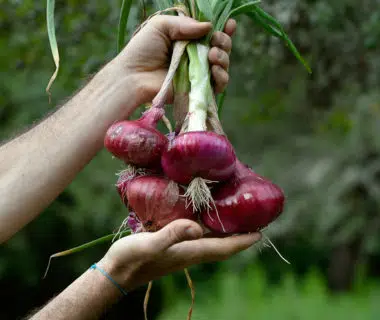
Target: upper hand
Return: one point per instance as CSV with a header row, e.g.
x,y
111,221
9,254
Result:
x,y
140,258
147,55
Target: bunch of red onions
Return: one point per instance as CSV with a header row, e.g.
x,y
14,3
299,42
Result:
x,y
195,174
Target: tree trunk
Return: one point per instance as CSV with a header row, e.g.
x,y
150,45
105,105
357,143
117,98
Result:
x,y
342,266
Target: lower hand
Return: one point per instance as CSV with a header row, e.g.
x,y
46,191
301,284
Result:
x,y
137,259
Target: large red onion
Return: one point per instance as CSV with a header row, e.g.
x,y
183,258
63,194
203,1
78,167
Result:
x,y
202,154
157,201
246,203
138,142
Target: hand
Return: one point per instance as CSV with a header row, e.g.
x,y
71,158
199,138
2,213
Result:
x,y
135,260
147,55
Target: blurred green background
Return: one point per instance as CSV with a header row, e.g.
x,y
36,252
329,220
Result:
x,y
318,136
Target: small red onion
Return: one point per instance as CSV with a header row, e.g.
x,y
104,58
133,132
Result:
x,y
157,201
201,154
138,142
246,203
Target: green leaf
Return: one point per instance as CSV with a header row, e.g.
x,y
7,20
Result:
x,y
267,27
53,41
224,16
205,8
123,21
244,8
267,18
87,245
164,4
220,102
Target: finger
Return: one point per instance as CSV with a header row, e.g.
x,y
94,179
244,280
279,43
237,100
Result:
x,y
221,40
219,57
221,78
209,249
176,232
180,28
230,27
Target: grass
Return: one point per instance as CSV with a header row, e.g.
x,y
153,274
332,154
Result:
x,y
248,295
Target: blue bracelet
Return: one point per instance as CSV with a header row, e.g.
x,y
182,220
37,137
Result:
x,y
94,266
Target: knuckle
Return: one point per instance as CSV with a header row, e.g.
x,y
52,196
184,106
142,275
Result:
x,y
157,20
216,38
225,78
174,234
227,43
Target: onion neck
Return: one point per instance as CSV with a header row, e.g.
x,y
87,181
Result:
x,y
201,90
242,170
151,117
181,86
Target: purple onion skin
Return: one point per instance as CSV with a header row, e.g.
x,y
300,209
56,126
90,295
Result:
x,y
138,142
246,203
201,154
124,179
133,223
157,201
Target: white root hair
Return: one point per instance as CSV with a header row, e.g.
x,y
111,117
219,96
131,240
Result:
x,y
146,299
269,244
132,171
123,227
191,286
198,195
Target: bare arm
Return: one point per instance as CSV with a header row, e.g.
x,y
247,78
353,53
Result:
x,y
87,298
37,166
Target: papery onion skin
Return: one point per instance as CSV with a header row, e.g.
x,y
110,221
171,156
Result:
x,y
157,201
129,174
244,204
201,154
138,142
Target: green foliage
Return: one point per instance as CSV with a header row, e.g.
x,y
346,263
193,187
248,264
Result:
x,y
247,295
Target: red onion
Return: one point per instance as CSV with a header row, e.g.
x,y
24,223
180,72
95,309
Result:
x,y
138,142
201,154
246,203
157,201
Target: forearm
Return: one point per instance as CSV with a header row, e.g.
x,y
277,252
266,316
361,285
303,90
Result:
x,y
87,298
39,164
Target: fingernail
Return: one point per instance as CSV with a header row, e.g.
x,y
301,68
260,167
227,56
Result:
x,y
193,232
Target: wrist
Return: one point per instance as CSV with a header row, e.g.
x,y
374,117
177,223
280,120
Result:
x,y
121,275
116,90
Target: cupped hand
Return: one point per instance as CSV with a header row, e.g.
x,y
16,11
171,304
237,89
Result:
x,y
147,55
137,259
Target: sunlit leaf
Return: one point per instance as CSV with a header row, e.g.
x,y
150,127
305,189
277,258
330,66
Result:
x,y
123,21
205,9
53,41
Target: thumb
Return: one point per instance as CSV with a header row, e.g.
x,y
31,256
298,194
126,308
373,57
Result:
x,y
181,28
177,231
